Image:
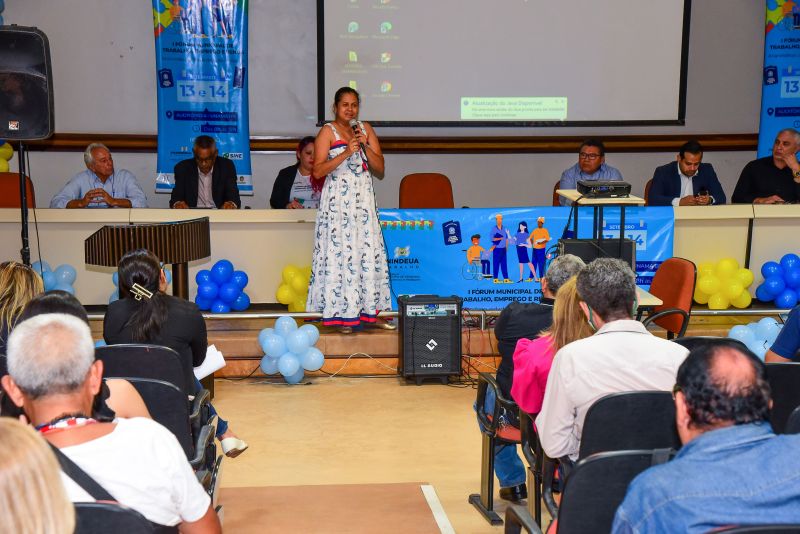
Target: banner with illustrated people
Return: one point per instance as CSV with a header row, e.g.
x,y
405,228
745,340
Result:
x,y
492,256
780,92
201,63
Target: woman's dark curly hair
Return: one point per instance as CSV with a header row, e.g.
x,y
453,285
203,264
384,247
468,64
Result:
x,y
713,399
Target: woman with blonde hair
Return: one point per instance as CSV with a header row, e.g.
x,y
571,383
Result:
x,y
533,358
18,284
32,496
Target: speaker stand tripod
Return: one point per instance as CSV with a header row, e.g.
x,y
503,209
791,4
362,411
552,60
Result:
x,y
25,251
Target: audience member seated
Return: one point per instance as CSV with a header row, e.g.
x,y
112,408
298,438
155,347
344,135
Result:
x,y
145,314
591,166
99,186
732,469
687,181
621,356
772,179
54,377
296,187
32,496
520,321
205,181
534,357
18,284
786,347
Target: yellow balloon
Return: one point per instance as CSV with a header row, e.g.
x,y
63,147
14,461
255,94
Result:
x,y
6,152
289,272
299,284
299,305
718,301
705,268
700,297
307,271
745,277
709,284
743,300
732,289
3,165
726,268
284,294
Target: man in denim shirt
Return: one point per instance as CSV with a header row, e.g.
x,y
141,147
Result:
x,y
732,469
591,166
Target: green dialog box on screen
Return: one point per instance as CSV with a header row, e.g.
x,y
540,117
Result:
x,y
537,108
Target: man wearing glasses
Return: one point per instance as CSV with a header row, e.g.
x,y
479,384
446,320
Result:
x,y
591,166
205,181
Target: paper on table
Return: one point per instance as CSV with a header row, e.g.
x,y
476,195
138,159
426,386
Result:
x,y
214,361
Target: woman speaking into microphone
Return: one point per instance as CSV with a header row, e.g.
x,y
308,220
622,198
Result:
x,y
350,276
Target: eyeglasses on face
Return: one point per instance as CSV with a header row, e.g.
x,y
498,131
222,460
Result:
x,y
590,157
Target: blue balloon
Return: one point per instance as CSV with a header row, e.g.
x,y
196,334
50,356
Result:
x,y
220,307
790,261
758,347
295,378
65,287
762,294
168,276
313,359
288,364
264,333
100,343
771,268
273,345
115,278
40,267
269,365
741,333
208,291
241,303
297,342
792,277
787,299
240,278
222,271
49,279
312,332
114,296
284,324
202,304
66,274
228,292
774,285
2,5
203,277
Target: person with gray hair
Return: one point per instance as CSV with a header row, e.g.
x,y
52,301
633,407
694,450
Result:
x,y
518,321
54,377
100,186
622,355
772,179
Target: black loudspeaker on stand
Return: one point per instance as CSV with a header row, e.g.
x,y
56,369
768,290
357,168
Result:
x,y
430,337
26,100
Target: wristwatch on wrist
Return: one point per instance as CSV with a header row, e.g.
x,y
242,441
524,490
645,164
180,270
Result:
x,y
796,175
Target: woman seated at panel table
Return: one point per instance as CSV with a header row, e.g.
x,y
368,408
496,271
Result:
x,y
296,187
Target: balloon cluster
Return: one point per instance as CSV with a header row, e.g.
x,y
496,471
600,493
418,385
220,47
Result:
x,y
290,350
115,278
723,284
759,336
781,282
294,287
62,278
221,289
6,152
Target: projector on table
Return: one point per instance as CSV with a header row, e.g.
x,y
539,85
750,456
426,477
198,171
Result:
x,y
592,189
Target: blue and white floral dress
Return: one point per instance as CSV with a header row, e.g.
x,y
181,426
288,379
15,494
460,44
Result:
x,y
350,275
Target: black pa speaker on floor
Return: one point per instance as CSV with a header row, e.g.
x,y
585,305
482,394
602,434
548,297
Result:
x,y
430,337
26,84
590,249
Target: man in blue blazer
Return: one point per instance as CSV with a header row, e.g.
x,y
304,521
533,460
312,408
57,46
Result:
x,y
687,181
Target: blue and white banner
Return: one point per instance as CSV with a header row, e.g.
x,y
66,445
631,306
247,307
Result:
x,y
463,251
780,93
201,63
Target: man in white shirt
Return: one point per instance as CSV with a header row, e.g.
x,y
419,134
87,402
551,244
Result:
x,y
54,377
687,181
621,356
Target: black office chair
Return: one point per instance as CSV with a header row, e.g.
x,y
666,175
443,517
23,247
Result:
x,y
532,451
104,517
519,519
793,423
144,361
784,380
633,420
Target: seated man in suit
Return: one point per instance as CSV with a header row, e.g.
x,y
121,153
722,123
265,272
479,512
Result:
x,y
686,181
205,181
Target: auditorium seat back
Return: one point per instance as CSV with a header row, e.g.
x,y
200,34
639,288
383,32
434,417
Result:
x,y
673,283
556,198
426,190
647,187
783,380
144,361
103,517
9,190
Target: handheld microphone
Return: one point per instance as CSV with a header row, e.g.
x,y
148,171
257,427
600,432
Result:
x,y
357,130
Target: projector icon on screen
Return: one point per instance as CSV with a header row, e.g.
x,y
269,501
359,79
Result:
x,y
386,27
352,27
